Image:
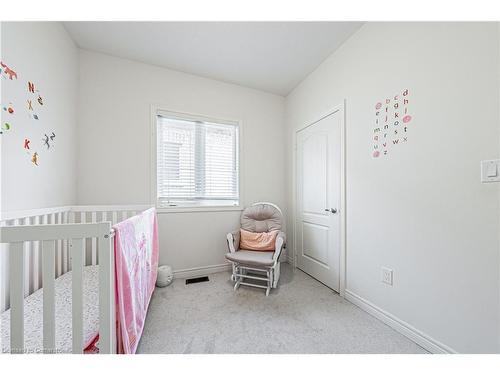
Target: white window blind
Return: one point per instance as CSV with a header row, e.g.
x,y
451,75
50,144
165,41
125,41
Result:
x,y
197,162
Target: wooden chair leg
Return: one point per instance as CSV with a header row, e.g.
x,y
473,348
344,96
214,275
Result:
x,y
269,281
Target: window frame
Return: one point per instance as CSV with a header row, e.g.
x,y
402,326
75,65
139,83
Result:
x,y
161,110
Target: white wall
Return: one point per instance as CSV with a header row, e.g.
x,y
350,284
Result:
x,y
43,53
422,211
114,146
498,26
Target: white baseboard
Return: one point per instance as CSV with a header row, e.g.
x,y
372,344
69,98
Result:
x,y
425,341
201,271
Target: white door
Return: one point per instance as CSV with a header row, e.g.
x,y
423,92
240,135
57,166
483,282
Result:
x,y
318,199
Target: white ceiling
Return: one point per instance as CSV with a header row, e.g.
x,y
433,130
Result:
x,y
269,56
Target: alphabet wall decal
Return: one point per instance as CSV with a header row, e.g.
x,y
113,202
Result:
x,y
388,116
34,106
34,101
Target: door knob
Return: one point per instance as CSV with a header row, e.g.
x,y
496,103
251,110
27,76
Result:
x,y
332,210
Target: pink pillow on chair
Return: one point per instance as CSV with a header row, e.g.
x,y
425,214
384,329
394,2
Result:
x,y
264,241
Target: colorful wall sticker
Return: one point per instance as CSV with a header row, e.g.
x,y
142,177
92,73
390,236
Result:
x,y
9,74
34,101
48,140
392,120
34,159
5,70
9,109
5,126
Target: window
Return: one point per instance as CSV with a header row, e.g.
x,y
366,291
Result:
x,y
197,162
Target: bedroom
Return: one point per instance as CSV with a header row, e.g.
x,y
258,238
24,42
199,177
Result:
x,y
373,167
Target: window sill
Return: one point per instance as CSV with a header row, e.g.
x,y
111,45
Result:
x,y
169,210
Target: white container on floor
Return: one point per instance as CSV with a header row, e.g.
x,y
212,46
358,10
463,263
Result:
x,y
165,276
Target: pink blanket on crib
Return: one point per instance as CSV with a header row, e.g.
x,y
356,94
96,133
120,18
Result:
x,y
136,265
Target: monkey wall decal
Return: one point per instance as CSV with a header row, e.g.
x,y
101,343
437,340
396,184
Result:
x,y
34,158
48,139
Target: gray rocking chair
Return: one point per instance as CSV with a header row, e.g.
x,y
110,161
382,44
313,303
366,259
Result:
x,y
265,266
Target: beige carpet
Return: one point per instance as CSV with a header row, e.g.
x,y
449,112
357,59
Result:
x,y
301,316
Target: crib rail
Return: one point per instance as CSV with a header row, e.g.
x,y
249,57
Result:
x,y
32,249
49,234
95,214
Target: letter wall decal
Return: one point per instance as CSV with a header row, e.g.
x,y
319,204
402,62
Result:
x,y
396,115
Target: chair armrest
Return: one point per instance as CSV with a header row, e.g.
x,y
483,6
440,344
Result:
x,y
280,244
233,240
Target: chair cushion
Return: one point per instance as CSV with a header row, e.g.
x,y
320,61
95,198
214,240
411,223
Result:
x,y
265,241
255,258
261,218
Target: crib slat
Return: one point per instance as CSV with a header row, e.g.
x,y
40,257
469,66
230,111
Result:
x,y
71,221
44,220
49,301
58,218
17,297
36,259
4,276
94,241
77,288
26,265
71,217
106,297
27,257
104,218
65,249
27,269
83,219
115,217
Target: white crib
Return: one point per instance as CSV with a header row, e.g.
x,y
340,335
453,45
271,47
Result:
x,y
38,246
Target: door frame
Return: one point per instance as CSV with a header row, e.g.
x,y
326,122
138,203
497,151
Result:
x,y
340,108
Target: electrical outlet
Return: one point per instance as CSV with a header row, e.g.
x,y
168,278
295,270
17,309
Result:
x,y
387,275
